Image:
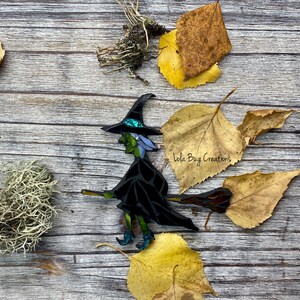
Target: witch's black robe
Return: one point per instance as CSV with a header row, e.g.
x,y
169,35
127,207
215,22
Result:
x,y
142,192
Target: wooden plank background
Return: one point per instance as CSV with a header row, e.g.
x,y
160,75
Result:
x,y
54,99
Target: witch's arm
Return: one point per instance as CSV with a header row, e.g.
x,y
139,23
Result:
x,y
105,194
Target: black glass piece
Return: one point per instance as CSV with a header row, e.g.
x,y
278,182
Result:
x,y
141,197
133,122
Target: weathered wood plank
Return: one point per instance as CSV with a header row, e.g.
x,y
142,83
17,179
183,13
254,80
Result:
x,y
80,73
87,40
97,283
105,257
239,241
276,15
85,111
89,139
116,156
97,272
110,170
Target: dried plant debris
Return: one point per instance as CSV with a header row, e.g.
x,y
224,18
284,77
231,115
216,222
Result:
x,y
25,206
202,39
2,53
131,51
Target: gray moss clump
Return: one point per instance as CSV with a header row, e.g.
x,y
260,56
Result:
x,y
25,207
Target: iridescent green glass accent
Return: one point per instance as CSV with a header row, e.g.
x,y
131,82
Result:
x,y
133,123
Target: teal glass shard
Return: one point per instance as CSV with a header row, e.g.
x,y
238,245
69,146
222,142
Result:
x,y
133,123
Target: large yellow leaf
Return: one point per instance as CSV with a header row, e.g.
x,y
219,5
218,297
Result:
x,y
170,64
257,122
200,143
167,264
2,53
255,196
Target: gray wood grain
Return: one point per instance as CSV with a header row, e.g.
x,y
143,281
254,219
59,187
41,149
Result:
x,y
54,99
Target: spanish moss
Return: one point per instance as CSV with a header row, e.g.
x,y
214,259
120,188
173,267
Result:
x,y
25,206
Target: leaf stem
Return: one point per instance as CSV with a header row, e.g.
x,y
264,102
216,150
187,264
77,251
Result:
x,y
225,98
207,220
113,247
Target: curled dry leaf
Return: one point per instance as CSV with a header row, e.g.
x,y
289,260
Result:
x,y
200,143
52,266
170,64
255,196
202,39
2,53
166,266
257,122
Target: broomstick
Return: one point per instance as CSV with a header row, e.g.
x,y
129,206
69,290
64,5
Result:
x,y
216,200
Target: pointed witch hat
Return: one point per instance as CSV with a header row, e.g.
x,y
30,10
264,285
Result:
x,y
133,122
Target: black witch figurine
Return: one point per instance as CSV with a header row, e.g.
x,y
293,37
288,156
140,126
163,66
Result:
x,y
143,189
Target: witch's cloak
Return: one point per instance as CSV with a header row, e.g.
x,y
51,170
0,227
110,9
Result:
x,y
142,192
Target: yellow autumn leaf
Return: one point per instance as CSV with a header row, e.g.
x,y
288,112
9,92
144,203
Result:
x,y
200,143
166,261
177,292
2,53
257,122
170,64
255,196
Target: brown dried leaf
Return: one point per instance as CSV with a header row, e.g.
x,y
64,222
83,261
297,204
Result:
x,y
2,53
257,122
255,196
52,266
202,39
200,143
